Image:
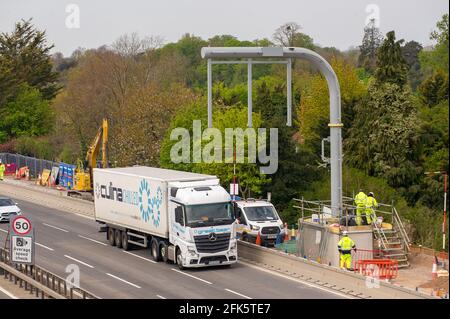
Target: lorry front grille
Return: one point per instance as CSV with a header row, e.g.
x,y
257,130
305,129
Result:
x,y
207,260
205,245
270,230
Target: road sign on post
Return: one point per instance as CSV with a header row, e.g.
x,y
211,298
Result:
x,y
21,241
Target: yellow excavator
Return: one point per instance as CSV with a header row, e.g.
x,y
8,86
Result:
x,y
83,179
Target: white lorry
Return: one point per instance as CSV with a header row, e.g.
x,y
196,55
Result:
x,y
183,217
257,216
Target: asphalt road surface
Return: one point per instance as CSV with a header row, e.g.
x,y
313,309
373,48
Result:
x,y
66,242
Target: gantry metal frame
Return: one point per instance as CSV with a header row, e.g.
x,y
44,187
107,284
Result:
x,y
288,54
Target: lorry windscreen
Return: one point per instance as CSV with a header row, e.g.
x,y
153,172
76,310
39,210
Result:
x,y
209,214
261,213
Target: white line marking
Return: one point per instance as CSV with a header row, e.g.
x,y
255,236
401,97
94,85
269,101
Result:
x,y
236,293
79,261
189,275
81,215
5,231
296,279
6,292
66,231
43,246
127,282
152,261
95,241
161,297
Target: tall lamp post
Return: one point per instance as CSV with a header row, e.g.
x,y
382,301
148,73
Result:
x,y
444,223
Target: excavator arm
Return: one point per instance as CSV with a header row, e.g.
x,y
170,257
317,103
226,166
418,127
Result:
x,y
92,153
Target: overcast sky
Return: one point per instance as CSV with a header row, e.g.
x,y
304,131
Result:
x,y
328,22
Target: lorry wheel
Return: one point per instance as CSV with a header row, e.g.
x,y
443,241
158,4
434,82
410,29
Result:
x,y
118,238
154,246
179,259
163,251
111,236
125,244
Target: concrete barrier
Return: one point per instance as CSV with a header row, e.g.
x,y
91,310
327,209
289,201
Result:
x,y
329,277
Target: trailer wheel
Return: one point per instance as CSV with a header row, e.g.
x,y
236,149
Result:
x,y
179,259
154,246
163,251
125,244
111,236
118,238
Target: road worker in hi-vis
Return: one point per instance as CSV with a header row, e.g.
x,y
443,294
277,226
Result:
x,y
2,170
371,204
345,246
360,202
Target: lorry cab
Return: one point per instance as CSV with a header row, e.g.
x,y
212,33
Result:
x,y
201,221
257,216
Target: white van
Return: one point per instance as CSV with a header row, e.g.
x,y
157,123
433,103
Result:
x,y
253,216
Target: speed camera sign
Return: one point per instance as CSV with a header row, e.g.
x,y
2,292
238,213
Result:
x,y
21,225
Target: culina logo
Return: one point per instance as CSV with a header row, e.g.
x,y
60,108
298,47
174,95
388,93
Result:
x,y
116,193
150,207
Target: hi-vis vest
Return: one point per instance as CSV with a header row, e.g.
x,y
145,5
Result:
x,y
346,244
360,199
371,202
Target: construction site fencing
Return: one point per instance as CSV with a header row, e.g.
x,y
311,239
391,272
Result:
x,y
35,165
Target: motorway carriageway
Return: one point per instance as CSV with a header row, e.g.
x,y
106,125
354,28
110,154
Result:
x,y
109,272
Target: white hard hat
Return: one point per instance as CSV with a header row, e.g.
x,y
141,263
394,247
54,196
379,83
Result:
x,y
344,233
371,194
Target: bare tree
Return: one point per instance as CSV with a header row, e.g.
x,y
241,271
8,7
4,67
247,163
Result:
x,y
285,35
131,45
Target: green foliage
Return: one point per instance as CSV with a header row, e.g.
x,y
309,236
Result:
x,y
27,115
383,140
25,58
391,66
314,110
251,181
437,59
39,147
368,49
434,89
411,51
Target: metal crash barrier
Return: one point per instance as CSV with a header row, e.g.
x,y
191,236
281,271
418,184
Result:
x,y
40,281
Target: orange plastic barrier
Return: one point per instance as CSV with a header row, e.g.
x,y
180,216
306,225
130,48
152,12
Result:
x,y
378,268
365,254
23,172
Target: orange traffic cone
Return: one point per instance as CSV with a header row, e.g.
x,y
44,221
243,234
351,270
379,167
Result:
x,y
258,239
434,270
286,232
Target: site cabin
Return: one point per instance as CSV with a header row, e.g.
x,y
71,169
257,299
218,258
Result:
x,y
183,217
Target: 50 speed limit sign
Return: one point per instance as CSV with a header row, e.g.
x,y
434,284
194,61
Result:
x,y
21,225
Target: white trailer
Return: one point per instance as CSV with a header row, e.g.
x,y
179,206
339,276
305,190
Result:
x,y
182,217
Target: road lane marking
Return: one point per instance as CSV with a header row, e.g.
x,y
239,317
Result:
x,y
152,261
66,231
189,275
236,293
5,231
43,246
95,241
123,280
81,215
6,292
161,297
79,261
297,280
